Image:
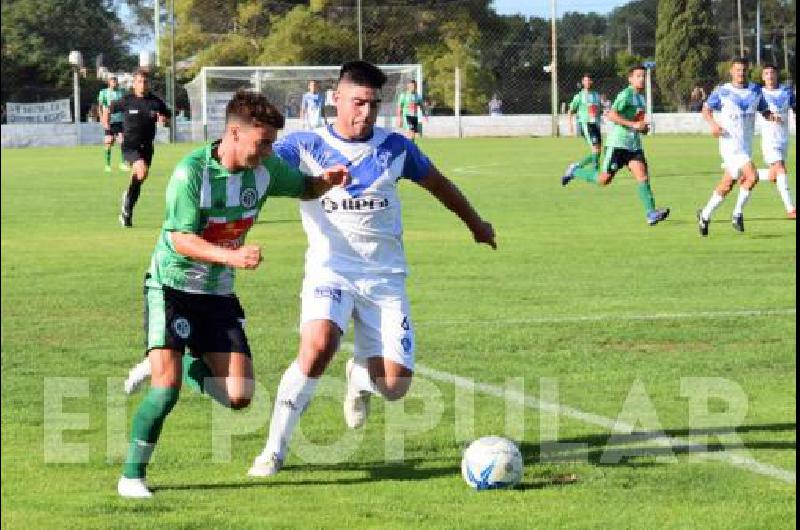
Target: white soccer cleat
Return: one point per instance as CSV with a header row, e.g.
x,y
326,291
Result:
x,y
265,466
137,375
356,402
133,488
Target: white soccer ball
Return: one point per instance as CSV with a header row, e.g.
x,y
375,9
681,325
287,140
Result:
x,y
492,462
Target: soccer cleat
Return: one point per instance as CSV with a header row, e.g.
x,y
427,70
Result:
x,y
107,168
125,220
133,488
569,174
265,466
356,402
124,166
656,216
125,217
702,224
136,376
738,222
792,214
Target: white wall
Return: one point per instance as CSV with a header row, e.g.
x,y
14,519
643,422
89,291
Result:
x,y
30,135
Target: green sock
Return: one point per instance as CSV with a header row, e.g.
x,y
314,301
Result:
x,y
588,158
108,157
646,196
587,174
194,371
147,424
595,159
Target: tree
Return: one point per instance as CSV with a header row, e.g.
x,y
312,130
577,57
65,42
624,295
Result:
x,y
37,36
686,41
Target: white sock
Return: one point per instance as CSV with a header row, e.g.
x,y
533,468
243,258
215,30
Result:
x,y
713,203
294,394
763,174
741,200
360,379
782,183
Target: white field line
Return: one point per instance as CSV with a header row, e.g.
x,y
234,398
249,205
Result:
x,y
567,319
737,460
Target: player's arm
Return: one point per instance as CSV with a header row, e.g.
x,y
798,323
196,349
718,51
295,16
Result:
x,y
711,104
162,113
451,197
288,181
763,108
616,117
183,223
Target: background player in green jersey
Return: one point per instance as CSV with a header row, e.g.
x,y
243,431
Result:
x,y
624,146
587,105
112,123
213,198
410,110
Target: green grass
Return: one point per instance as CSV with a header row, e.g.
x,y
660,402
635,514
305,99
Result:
x,y
551,303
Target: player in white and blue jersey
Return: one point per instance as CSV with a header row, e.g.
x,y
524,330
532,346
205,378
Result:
x,y
775,136
312,108
736,103
355,263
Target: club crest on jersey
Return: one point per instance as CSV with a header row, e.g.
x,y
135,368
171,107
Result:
x,y
248,197
354,204
182,327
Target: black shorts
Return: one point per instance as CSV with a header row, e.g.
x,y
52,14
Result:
x,y
137,152
591,132
615,158
203,323
412,124
114,129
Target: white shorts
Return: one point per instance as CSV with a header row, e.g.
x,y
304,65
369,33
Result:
x,y
734,161
378,305
773,152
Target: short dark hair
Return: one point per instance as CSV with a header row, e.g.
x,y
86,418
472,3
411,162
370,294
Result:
x,y
142,72
586,74
362,73
253,108
741,60
768,66
636,67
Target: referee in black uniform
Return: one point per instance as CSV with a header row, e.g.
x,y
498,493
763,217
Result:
x,y
142,110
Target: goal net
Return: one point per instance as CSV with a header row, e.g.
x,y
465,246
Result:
x,y
284,86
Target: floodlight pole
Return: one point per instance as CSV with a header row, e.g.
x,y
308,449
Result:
x,y
76,87
360,29
173,118
157,28
758,32
741,28
554,70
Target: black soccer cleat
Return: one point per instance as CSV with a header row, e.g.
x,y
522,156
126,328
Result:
x,y
702,224
656,216
738,222
125,220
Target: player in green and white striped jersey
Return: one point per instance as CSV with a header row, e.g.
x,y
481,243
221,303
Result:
x,y
112,125
588,107
213,199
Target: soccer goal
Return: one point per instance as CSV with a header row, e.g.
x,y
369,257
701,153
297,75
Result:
x,y
284,86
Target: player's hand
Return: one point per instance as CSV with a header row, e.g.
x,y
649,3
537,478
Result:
x,y
641,126
775,118
337,175
245,257
717,131
484,233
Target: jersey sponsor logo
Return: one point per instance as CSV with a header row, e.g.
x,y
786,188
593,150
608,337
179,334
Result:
x,y
248,197
182,327
229,234
355,204
133,111
333,293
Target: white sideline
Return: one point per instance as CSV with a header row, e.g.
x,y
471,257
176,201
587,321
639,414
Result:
x,y
606,318
733,459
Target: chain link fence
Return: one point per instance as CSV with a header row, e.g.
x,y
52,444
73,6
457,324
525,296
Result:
x,y
504,59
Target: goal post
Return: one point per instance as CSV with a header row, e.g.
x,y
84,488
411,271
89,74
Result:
x,y
284,87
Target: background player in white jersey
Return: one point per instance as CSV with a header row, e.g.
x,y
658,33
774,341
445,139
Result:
x,y
355,263
737,103
775,136
312,109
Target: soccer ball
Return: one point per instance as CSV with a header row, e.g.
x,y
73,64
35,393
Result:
x,y
491,462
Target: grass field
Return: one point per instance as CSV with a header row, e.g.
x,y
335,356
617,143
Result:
x,y
653,326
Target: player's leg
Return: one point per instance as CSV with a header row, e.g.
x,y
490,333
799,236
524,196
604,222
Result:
x,y
108,143
602,174
326,308
383,357
732,165
140,167
149,419
638,168
118,130
774,156
591,134
747,181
